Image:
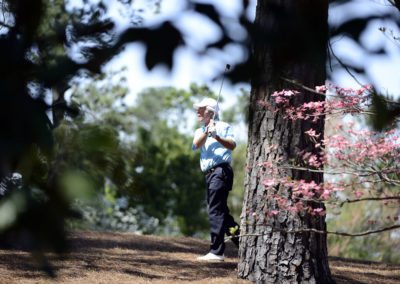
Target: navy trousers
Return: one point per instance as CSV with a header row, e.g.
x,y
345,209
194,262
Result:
x,y
219,182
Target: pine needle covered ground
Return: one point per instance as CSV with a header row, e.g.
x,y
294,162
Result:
x,y
98,257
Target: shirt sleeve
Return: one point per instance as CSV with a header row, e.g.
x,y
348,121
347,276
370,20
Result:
x,y
228,132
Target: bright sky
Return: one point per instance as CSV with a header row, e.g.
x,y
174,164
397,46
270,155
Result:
x,y
189,67
382,69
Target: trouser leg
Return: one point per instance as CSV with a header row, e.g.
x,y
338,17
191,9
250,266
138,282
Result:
x,y
219,183
217,198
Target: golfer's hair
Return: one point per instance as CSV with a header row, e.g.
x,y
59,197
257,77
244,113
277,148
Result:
x,y
216,116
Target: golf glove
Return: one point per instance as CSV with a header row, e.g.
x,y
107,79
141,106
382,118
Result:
x,y
212,131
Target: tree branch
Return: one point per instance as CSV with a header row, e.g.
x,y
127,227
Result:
x,y
341,203
360,173
370,199
361,111
369,232
343,64
294,82
366,173
5,25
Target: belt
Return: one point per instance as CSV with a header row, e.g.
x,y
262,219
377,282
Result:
x,y
209,171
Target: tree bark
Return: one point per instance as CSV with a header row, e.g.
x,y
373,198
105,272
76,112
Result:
x,y
289,41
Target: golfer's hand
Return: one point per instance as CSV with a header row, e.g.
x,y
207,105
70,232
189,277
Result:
x,y
212,131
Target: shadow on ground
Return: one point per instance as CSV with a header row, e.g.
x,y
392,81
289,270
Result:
x,y
98,257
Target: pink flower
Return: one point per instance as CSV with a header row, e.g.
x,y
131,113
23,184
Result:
x,y
312,133
318,211
358,194
269,182
274,212
321,89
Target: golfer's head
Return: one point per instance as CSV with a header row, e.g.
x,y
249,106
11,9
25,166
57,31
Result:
x,y
206,109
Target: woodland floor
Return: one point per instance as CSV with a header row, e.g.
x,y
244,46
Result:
x,y
127,258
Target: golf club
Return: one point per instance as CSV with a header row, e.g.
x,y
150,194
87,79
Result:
x,y
227,67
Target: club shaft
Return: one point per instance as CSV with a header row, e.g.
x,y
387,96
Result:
x,y
227,67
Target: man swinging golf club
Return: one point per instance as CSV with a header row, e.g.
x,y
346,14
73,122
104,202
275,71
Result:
x,y
216,142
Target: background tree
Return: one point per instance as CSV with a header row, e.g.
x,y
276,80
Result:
x,y
152,176
37,56
167,177
291,43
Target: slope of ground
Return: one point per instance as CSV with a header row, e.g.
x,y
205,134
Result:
x,y
127,258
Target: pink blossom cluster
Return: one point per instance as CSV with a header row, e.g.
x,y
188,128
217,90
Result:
x,y
347,100
369,157
314,160
304,194
361,161
365,150
283,97
340,101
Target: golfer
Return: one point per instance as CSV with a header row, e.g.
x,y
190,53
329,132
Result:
x,y
216,142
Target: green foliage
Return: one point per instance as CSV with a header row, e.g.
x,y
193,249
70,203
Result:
x,y
167,178
147,157
101,213
168,104
44,45
238,116
365,216
234,230
91,149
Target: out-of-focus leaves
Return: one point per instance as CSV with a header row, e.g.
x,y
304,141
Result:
x,y
160,41
10,208
97,29
386,111
209,11
76,185
355,27
241,71
339,1
382,118
46,46
221,43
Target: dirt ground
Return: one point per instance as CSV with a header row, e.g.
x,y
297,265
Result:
x,y
127,258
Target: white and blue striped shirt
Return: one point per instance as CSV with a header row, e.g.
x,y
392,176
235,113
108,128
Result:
x,y
212,153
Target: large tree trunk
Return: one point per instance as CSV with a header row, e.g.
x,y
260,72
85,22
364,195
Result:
x,y
290,42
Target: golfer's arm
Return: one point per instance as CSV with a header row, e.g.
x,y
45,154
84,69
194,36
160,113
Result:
x,y
199,140
226,142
